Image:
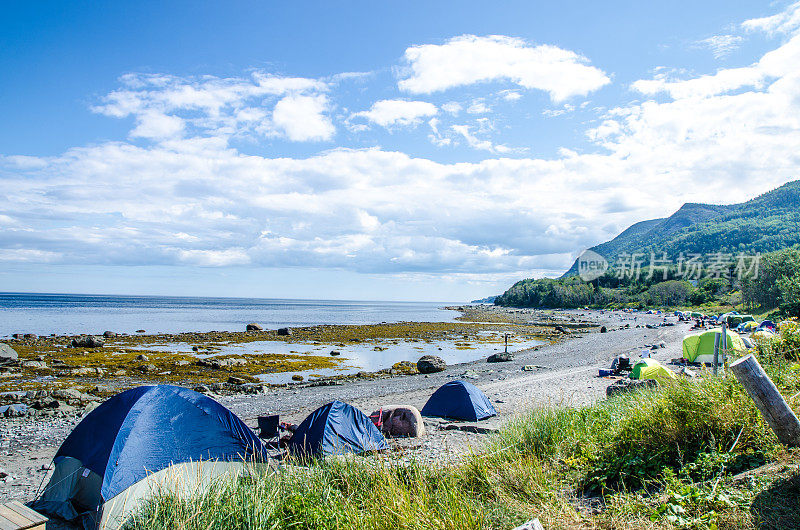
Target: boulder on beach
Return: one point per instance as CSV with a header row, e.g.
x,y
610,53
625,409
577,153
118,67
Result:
x,y
87,341
109,334
14,410
252,326
7,353
502,357
284,331
429,364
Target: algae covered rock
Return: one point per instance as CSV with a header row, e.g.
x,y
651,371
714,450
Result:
x,y
87,341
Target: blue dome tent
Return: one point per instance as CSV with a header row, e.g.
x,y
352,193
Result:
x,y
459,400
767,324
336,428
103,466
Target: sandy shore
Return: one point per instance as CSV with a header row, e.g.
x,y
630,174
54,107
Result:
x,y
564,372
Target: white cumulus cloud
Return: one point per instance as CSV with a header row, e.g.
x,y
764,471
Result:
x,y
397,112
303,118
470,59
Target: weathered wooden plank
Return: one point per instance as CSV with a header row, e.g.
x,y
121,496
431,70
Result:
x,y
769,401
32,515
13,517
16,516
5,524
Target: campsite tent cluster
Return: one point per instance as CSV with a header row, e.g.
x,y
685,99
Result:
x,y
140,439
698,348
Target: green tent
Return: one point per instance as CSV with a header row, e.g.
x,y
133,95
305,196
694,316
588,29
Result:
x,y
652,369
751,325
695,314
733,320
699,347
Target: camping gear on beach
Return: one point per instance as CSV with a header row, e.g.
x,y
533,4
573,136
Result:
x,y
459,400
626,385
398,421
138,440
620,363
699,347
336,428
652,369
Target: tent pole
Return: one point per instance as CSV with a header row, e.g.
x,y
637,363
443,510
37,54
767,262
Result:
x,y
724,343
716,353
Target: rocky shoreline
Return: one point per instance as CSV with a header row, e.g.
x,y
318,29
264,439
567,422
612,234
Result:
x,y
101,366
562,370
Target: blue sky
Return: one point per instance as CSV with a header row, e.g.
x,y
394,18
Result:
x,y
372,150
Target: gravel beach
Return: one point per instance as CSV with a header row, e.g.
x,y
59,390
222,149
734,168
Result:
x,y
564,373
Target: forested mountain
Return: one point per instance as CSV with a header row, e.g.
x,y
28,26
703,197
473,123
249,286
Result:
x,y
766,223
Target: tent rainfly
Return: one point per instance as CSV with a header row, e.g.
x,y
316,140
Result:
x,y
128,447
652,369
336,428
459,400
699,347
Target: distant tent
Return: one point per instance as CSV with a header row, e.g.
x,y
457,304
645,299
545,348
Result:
x,y
767,324
459,400
746,327
734,319
695,314
652,369
336,428
764,334
699,347
115,457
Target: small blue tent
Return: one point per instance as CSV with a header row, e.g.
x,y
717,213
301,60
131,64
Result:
x,y
459,400
137,433
336,428
767,324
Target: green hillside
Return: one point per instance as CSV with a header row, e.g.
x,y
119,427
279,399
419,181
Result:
x,y
768,224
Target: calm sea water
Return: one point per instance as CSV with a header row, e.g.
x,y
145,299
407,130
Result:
x,y
70,313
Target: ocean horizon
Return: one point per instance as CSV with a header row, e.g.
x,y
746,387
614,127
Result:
x,y
65,313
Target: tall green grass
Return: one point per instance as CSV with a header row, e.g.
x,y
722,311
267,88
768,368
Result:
x,y
555,463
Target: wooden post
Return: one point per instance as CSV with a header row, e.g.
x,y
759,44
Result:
x,y
769,401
